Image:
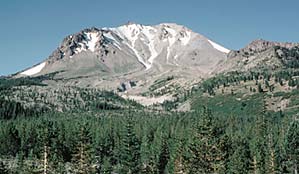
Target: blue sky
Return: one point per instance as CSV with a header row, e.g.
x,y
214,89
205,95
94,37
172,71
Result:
x,y
31,29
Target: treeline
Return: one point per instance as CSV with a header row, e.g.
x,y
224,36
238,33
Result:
x,y
288,56
28,99
12,109
283,77
149,142
10,82
7,83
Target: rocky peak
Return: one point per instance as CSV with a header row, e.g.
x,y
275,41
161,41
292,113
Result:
x,y
87,39
260,45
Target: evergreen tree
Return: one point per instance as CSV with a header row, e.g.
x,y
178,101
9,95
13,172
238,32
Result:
x,y
131,159
3,168
260,147
163,157
31,165
83,157
12,140
259,88
292,145
205,154
105,167
274,155
239,161
45,139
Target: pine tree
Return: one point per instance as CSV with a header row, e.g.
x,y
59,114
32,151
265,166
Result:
x,y
163,157
82,159
106,167
260,147
31,165
145,152
205,154
46,141
259,88
12,140
3,168
239,161
274,154
58,148
131,159
292,145
105,155
178,158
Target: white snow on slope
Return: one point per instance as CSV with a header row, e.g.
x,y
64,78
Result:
x,y
80,49
109,36
140,59
176,60
34,70
219,47
172,38
92,40
151,46
171,41
130,34
114,41
185,40
90,43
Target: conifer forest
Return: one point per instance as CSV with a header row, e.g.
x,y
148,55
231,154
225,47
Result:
x,y
90,131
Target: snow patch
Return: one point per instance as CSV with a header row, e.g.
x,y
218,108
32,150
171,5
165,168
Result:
x,y
219,47
34,70
92,39
176,60
109,36
80,49
173,33
140,59
186,38
151,46
168,53
114,41
129,33
171,40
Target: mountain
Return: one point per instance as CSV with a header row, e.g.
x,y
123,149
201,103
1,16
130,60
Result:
x,y
152,64
139,47
108,57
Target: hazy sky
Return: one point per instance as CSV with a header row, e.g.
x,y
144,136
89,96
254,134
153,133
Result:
x,y
31,29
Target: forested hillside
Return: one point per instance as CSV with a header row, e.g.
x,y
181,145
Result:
x,y
150,142
221,133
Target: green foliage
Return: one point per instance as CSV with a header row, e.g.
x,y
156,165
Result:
x,y
82,158
239,161
145,142
205,152
12,109
288,56
292,145
97,131
3,168
8,83
130,154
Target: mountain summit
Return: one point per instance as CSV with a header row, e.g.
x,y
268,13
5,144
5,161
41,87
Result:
x,y
131,55
133,47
